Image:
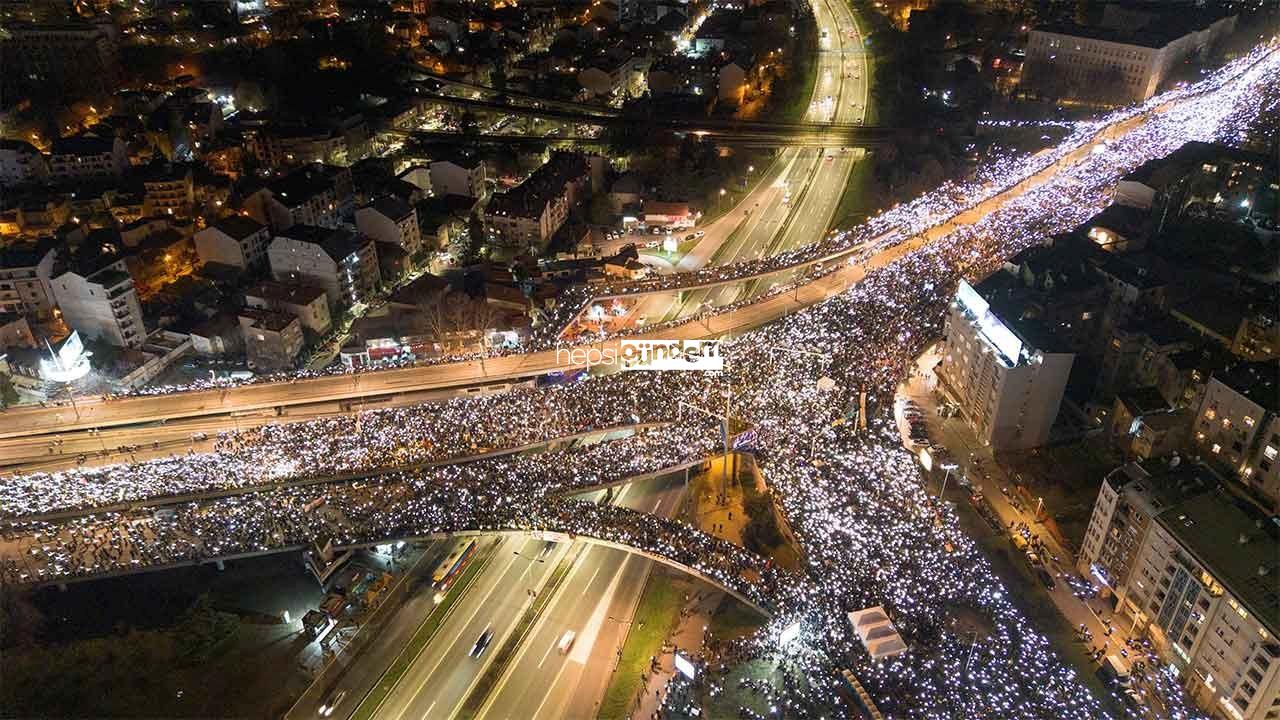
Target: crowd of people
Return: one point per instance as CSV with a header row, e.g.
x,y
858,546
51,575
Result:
x,y
854,498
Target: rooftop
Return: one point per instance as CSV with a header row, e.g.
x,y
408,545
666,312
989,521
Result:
x,y
529,198
1161,29
393,207
285,293
238,226
301,185
1257,381
1141,401
1238,546
338,243
266,319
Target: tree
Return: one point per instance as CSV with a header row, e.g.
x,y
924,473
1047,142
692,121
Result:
x,y
469,253
8,394
600,212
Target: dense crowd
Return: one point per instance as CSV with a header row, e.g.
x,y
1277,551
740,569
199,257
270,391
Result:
x,y
854,499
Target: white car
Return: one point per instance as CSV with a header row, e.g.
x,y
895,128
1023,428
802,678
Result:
x,y
566,641
332,703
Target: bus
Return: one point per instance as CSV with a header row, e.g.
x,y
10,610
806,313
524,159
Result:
x,y
452,565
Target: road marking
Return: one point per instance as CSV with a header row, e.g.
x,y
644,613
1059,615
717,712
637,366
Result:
x,y
457,636
427,714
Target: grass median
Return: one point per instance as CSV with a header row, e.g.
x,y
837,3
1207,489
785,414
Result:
x,y
655,616
421,637
475,701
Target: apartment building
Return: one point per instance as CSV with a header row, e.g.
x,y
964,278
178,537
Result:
x,y
25,273
462,174
235,240
307,303
167,190
1204,589
1238,426
1192,567
392,221
272,340
80,59
342,263
87,158
529,214
101,303
1123,59
996,366
20,163
313,195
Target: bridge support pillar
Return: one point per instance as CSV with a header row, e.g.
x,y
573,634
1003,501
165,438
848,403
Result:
x,y
221,565
62,587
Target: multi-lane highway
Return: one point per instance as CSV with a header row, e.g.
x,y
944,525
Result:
x,y
596,601
440,679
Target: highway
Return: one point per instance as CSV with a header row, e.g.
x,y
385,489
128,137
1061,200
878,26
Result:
x,y
597,601
442,676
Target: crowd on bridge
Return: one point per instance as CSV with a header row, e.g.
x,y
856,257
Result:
x,y
870,531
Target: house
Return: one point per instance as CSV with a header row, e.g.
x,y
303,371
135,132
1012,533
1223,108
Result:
x,y
732,86
341,262
236,240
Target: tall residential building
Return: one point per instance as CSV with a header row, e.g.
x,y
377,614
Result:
x,y
1204,587
87,158
1193,568
527,215
76,59
20,163
1123,59
393,221
309,304
25,272
996,366
312,195
101,303
235,240
460,175
1130,498
1238,426
341,262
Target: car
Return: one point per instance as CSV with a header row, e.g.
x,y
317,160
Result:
x,y
329,705
1046,578
547,547
829,158
689,237
700,233
482,643
566,641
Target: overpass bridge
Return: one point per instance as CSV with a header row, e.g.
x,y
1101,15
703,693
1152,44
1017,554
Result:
x,y
97,413
761,132
739,572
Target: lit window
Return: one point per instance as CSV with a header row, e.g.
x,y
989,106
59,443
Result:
x,y
1270,452
1248,421
1226,422
1211,413
1216,448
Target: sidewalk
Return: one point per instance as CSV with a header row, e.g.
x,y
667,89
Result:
x,y
979,466
687,638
